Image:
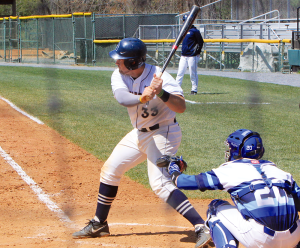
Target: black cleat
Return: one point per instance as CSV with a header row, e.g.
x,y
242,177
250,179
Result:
x,y
203,236
193,93
93,229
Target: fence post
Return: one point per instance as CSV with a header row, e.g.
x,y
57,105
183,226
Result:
x,y
37,40
222,48
282,58
205,58
74,40
19,41
85,37
93,38
204,47
253,57
220,56
4,38
204,36
53,28
9,40
242,35
280,50
261,31
124,32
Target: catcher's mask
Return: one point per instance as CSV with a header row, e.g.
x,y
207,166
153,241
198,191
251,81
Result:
x,y
244,143
132,50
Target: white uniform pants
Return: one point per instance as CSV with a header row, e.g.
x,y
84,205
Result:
x,y
138,146
251,234
192,63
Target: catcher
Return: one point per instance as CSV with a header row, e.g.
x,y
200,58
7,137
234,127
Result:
x,y
266,198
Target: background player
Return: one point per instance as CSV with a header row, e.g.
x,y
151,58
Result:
x,y
267,199
190,55
155,133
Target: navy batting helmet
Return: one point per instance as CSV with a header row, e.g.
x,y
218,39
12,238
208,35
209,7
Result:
x,y
184,17
244,143
132,50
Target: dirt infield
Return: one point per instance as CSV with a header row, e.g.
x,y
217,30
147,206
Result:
x,y
49,189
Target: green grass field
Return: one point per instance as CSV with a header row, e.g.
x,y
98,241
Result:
x,y
80,105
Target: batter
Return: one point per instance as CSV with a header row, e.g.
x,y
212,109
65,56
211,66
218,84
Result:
x,y
152,103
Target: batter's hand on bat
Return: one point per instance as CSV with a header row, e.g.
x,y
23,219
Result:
x,y
156,84
147,95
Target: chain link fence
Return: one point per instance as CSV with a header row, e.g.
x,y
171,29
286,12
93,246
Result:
x,y
68,39
72,39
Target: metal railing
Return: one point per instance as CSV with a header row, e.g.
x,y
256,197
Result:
x,y
265,19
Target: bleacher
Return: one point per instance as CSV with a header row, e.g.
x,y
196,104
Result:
x,y
268,31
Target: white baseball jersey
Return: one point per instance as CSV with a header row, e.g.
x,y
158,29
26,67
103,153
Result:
x,y
155,111
138,146
271,207
264,216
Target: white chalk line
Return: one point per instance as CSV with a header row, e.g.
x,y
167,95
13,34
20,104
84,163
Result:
x,y
147,224
21,111
43,197
111,245
241,103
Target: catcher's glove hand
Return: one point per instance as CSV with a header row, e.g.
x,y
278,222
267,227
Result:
x,y
165,161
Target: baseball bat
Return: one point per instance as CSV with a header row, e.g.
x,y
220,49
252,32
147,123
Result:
x,y
185,28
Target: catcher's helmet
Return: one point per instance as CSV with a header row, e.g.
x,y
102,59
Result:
x,y
132,50
244,143
184,17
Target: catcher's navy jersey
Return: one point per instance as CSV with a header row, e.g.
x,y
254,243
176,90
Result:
x,y
272,206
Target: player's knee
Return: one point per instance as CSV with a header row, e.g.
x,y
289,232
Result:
x,y
163,192
108,176
213,206
221,236
219,233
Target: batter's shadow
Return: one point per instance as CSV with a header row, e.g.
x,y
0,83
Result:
x,y
190,236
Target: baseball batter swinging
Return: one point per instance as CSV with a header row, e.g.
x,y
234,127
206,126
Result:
x,y
152,103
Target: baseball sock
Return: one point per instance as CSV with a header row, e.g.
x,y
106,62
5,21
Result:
x,y
107,194
181,204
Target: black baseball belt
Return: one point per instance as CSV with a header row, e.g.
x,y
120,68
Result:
x,y
152,128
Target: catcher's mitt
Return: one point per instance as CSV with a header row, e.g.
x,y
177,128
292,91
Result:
x,y
165,160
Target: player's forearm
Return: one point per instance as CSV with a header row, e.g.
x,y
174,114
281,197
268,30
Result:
x,y
126,99
186,182
175,102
